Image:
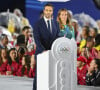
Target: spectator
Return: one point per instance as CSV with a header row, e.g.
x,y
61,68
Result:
x,y
28,39
3,41
3,61
84,35
75,26
12,66
32,67
25,32
25,67
89,47
81,70
93,74
93,32
20,41
14,39
21,52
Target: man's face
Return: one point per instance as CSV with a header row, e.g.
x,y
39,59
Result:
x,y
48,11
26,33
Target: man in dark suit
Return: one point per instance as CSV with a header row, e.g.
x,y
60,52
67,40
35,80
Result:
x,y
45,32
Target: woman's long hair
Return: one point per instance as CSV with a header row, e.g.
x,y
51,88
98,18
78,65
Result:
x,y
1,61
27,63
9,58
68,22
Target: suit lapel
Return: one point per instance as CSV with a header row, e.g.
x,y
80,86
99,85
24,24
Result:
x,y
44,27
47,32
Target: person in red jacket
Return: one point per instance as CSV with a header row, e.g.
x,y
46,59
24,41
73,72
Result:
x,y
13,65
81,70
85,53
32,67
25,67
3,61
90,47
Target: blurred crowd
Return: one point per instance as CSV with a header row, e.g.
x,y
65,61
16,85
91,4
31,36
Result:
x,y
88,61
17,46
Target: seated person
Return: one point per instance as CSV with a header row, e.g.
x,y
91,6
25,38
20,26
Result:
x,y
13,65
90,47
25,67
32,67
3,61
82,68
84,36
93,74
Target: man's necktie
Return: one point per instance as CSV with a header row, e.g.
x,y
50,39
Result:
x,y
49,25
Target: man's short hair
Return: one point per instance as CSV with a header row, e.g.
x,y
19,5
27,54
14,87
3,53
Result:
x,y
25,28
48,4
20,39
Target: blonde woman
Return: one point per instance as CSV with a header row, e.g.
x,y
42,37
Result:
x,y
64,20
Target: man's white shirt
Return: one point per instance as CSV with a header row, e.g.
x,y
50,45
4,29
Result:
x,y
45,19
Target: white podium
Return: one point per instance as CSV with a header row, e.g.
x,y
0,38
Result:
x,y
56,68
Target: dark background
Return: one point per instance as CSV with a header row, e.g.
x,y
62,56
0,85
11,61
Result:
x,y
11,5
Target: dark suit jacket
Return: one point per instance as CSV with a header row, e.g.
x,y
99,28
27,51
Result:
x,y
43,37
93,80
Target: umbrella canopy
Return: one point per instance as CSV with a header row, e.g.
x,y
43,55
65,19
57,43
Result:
x,y
4,20
84,19
5,31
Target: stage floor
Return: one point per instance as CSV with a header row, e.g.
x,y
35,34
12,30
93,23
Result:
x,y
15,83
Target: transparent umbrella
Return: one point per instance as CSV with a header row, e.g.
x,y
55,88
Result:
x,y
5,31
5,17
85,19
